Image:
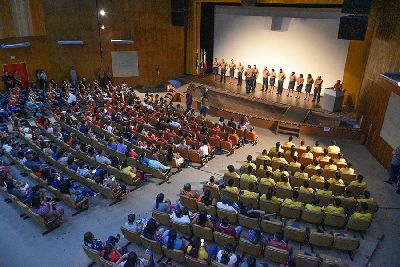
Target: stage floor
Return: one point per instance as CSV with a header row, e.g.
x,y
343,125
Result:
x,y
208,79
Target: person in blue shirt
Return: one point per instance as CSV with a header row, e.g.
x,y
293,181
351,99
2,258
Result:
x,y
155,164
121,147
394,167
171,240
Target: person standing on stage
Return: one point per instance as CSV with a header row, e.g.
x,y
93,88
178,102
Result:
x,y
215,68
232,67
254,78
223,70
292,81
272,81
265,79
240,69
310,81
317,89
300,82
248,73
281,79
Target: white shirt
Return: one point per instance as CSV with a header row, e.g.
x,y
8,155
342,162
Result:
x,y
227,207
183,219
71,99
175,124
232,258
7,148
109,128
203,150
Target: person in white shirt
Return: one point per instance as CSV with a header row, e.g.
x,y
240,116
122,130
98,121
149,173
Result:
x,y
7,148
223,205
227,255
102,159
71,99
203,150
178,217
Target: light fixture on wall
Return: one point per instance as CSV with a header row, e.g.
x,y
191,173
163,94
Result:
x,y
123,42
102,27
392,77
16,45
70,42
102,12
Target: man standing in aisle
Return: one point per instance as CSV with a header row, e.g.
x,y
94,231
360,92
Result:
x,y
254,78
281,79
248,73
240,69
265,79
232,67
223,70
317,89
215,68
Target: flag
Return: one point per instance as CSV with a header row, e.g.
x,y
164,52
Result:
x,y
205,60
201,59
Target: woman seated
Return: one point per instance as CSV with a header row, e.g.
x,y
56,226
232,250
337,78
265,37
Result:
x,y
227,255
206,199
171,240
178,216
155,164
110,253
225,228
202,220
161,205
132,260
197,250
278,241
150,231
51,211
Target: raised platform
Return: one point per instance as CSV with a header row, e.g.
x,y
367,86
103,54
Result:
x,y
270,110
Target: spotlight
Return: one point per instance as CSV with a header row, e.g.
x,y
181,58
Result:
x,y
102,27
102,12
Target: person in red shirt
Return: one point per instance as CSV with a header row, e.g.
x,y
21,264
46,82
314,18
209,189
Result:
x,y
225,228
110,253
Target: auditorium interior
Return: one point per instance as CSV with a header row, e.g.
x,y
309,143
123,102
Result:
x,y
200,133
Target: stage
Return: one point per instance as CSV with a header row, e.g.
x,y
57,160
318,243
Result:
x,y
269,110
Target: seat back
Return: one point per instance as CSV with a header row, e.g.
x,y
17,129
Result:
x,y
195,157
232,216
338,189
203,232
247,222
335,220
250,248
321,239
372,207
92,254
217,264
155,246
226,146
215,142
327,174
263,188
305,161
188,202
214,191
236,181
316,184
209,209
275,164
244,184
349,177
131,236
230,195
329,261
356,190
346,243
305,197
302,260
106,263
276,255
297,182
271,226
294,169
357,224
295,234
162,218
183,152
312,217
349,204
270,207
183,228
193,262
283,192
246,200
173,254
325,200
223,239
290,212
310,172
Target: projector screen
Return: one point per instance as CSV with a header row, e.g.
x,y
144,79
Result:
x,y
302,40
391,125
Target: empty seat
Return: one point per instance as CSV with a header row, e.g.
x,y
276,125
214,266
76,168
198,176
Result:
x,y
203,232
162,218
131,236
223,239
173,254
250,248
276,255
295,234
335,220
312,217
232,216
324,239
290,212
271,226
188,202
247,222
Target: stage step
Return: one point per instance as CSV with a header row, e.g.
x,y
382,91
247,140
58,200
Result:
x,y
288,128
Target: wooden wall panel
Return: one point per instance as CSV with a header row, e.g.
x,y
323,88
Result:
x,y
35,56
375,92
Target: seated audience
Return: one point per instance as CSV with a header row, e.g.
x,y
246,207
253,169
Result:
x,y
227,255
333,148
232,172
348,169
335,208
230,186
284,182
196,249
248,175
177,216
224,205
326,190
314,207
359,182
336,180
363,214
293,202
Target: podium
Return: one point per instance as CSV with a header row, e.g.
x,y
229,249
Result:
x,y
332,100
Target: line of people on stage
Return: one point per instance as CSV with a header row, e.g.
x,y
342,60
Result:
x,y
269,77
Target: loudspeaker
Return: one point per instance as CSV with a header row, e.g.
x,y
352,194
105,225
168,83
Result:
x,y
353,27
356,6
178,4
249,2
179,18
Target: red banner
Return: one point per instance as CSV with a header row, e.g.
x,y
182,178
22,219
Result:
x,y
20,68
